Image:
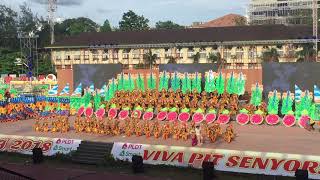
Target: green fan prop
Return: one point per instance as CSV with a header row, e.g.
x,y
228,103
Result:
x,y
175,81
287,103
131,86
97,101
240,84
273,103
121,82
164,81
209,82
256,96
304,106
186,83
196,82
140,83
231,84
220,84
151,81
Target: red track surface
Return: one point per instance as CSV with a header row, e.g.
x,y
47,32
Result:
x,y
261,138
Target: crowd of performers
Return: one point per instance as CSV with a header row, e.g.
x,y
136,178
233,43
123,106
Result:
x,y
197,133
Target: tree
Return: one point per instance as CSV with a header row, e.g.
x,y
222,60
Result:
x,y
240,21
106,27
150,58
132,22
214,57
172,60
28,22
75,26
8,28
167,25
307,53
196,57
270,55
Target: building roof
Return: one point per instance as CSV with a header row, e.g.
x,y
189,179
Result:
x,y
224,21
216,34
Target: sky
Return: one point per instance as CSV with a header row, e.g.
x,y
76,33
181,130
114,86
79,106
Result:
x,y
183,12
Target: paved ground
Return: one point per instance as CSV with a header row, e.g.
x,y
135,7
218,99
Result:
x,y
45,172
262,138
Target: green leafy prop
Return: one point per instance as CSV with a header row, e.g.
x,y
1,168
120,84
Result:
x,y
140,83
220,84
232,84
240,85
209,82
287,103
175,82
121,82
164,81
151,82
196,82
256,96
186,83
273,103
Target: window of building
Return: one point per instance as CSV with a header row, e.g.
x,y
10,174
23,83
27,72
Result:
x,y
58,55
105,55
95,55
67,56
226,54
115,54
239,53
125,54
76,55
136,54
203,53
86,55
168,53
190,52
252,54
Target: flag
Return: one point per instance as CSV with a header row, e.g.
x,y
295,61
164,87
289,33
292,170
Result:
x,y
297,93
53,91
65,90
78,90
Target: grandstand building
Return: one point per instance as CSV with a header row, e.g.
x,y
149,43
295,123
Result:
x,y
240,46
288,12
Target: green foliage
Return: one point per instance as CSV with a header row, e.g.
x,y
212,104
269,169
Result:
x,y
214,57
271,55
8,28
307,53
286,105
140,83
150,58
196,57
106,27
133,22
167,25
7,59
196,83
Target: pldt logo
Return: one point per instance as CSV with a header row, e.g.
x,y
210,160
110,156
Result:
x,y
131,146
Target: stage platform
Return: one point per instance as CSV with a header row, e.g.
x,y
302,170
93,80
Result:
x,y
259,138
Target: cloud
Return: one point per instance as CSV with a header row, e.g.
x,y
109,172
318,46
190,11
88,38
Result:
x,y
101,10
61,2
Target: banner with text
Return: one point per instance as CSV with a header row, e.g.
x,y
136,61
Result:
x,y
49,146
224,160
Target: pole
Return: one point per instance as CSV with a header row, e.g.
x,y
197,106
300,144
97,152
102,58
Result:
x,y
315,26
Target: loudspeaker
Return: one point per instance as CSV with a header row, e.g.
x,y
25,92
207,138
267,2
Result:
x,y
37,155
137,164
208,170
301,174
